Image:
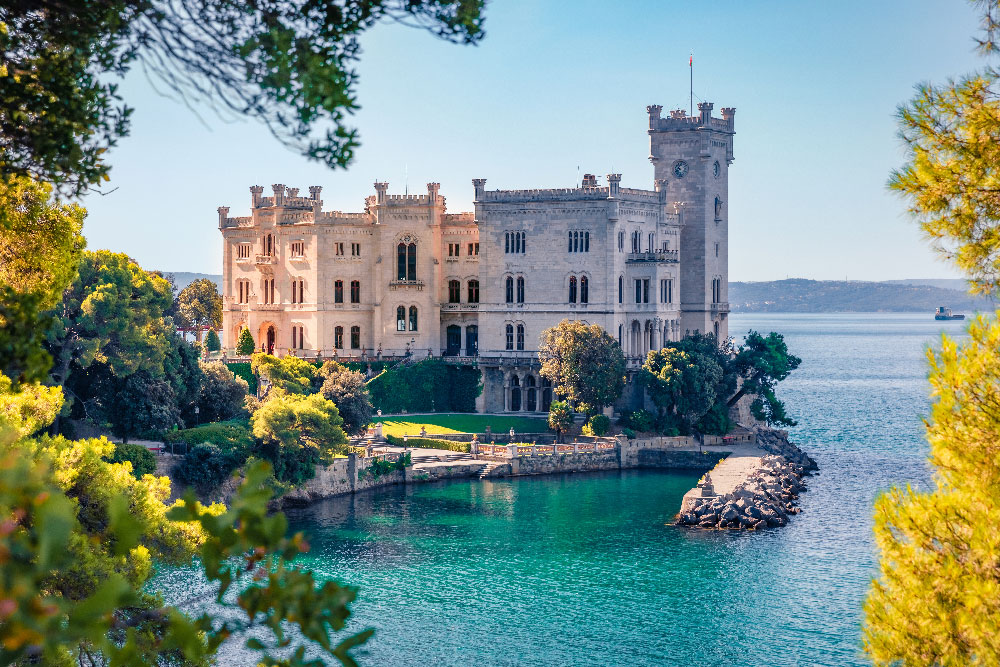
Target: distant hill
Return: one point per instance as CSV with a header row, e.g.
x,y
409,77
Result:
x,y
961,284
182,278
798,295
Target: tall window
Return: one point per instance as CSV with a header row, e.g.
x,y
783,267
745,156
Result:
x,y
621,289
509,291
338,291
572,289
406,261
298,337
649,243
355,250
243,289
473,291
298,290
635,241
355,338
514,242
268,245
454,291
621,241
338,337
454,249
520,289
520,336
509,330
584,289
666,290
413,318
338,249
268,289
355,291
473,249
401,318
298,248
579,241
642,290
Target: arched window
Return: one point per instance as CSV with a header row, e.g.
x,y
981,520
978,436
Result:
x,y
515,394
411,261
413,318
649,244
472,340
401,318
621,289
506,242
569,241
509,289
584,289
268,245
520,289
338,291
338,337
572,289
355,291
520,336
401,261
531,399
509,331
355,338
718,208
621,241
454,291
546,394
620,327
473,291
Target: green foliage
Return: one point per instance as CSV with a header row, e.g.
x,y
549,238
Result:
x,y
295,433
222,393
349,392
762,362
289,374
205,466
245,345
199,304
639,420
430,385
244,371
584,363
560,417
428,443
212,342
40,245
628,433
381,466
139,404
597,425
229,436
716,421
142,460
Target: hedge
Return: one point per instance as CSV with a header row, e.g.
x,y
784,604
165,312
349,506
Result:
x,y
228,436
241,369
428,386
429,443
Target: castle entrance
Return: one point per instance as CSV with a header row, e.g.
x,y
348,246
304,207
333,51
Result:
x,y
271,335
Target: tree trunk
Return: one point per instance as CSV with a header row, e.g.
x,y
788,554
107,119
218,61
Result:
x,y
736,397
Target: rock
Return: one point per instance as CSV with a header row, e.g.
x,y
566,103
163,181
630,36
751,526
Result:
x,y
729,513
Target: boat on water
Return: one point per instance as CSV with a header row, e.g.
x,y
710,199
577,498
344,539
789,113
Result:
x,y
943,313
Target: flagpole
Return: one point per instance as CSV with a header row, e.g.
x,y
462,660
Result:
x,y
691,89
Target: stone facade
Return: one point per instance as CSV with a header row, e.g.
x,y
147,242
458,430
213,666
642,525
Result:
x,y
405,277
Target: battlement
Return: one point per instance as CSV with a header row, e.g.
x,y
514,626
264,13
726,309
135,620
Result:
x,y
589,191
459,218
680,121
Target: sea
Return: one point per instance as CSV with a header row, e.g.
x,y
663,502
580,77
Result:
x,y
586,569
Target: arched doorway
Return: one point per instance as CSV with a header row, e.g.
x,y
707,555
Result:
x,y
546,394
716,332
515,394
454,340
472,340
532,394
270,338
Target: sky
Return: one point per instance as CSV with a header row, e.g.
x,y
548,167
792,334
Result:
x,y
556,89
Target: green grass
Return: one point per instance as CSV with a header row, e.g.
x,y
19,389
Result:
x,y
460,423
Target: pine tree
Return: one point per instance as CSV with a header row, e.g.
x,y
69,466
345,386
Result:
x,y
245,345
212,342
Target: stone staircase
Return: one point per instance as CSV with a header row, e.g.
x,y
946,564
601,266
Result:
x,y
487,468
443,457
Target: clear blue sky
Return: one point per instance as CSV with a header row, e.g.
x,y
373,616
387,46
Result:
x,y
557,85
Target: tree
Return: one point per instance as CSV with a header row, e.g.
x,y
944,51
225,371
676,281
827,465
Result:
x,y
584,363
684,385
212,342
141,403
296,433
222,393
40,245
142,461
347,390
762,362
200,305
245,345
560,418
289,374
290,65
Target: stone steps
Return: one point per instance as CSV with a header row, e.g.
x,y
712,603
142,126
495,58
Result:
x,y
443,457
487,468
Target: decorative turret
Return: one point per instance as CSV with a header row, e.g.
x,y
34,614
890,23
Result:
x,y
292,192
654,111
255,192
432,192
279,193
479,185
380,189
660,184
705,109
223,214
314,192
614,184
729,115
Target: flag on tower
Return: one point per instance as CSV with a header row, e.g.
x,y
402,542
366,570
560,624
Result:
x,y
691,60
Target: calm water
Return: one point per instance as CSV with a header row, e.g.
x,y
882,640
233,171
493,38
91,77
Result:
x,y
583,570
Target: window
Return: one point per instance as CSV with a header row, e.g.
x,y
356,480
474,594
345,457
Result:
x,y
649,243
413,318
642,290
406,261
298,290
510,337
338,291
666,290
298,337
298,248
243,251
716,249
338,338
621,241
355,338
718,209
338,249
572,289
268,245
645,290
620,329
401,318
473,291
520,289
666,246
510,290
454,291
579,241
454,249
621,289
355,291
584,289
514,242
355,250
473,249
635,241
243,291
268,289
520,336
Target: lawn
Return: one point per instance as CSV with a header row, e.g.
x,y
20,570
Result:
x,y
460,423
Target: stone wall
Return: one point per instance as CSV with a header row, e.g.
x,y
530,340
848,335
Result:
x,y
544,465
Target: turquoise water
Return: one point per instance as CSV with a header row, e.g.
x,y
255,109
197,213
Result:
x,y
582,569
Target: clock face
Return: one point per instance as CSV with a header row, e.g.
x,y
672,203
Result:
x,y
716,169
680,169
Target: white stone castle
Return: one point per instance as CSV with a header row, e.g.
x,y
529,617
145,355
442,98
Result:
x,y
405,277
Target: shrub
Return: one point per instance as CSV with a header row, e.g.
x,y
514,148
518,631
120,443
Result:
x,y
205,467
640,420
143,461
296,432
628,433
243,370
598,425
212,342
228,436
429,443
348,391
428,386
222,393
716,421
245,345
381,467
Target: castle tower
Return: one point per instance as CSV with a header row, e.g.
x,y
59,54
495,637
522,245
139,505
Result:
x,y
691,156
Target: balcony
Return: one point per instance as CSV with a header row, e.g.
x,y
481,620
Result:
x,y
671,256
265,259
406,284
720,307
459,307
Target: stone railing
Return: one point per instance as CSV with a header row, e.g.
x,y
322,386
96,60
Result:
x,y
655,256
517,450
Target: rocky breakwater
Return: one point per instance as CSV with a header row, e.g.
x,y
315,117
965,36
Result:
x,y
766,497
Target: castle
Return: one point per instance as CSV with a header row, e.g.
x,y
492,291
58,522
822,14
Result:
x,y
405,277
